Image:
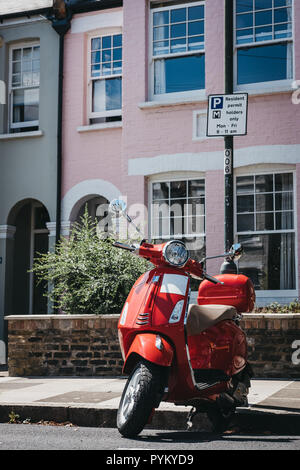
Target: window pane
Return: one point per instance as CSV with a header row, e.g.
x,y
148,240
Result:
x,y
284,220
161,47
178,15
245,184
25,105
284,201
196,13
17,54
269,260
245,223
195,28
160,18
263,4
179,74
283,31
106,42
283,15
284,182
264,202
263,33
244,36
196,43
196,207
27,53
178,45
264,183
244,5
263,17
161,209
264,221
16,67
161,32
282,3
96,44
117,40
178,30
263,64
178,208
196,188
178,189
244,21
194,225
245,204
160,190
117,53
107,94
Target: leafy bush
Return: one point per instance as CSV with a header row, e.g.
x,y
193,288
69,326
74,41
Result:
x,y
87,274
276,307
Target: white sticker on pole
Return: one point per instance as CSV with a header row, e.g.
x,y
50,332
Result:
x,y
227,115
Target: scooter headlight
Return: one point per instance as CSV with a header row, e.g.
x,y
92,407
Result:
x,y
175,253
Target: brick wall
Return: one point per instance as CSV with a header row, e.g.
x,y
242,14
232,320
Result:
x,y
88,345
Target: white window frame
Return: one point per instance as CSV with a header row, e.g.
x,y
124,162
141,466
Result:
x,y
97,34
169,179
11,88
193,94
202,113
275,85
271,293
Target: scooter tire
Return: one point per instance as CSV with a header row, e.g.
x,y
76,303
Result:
x,y
140,396
220,420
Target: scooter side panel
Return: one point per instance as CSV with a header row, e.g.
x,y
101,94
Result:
x,y
221,347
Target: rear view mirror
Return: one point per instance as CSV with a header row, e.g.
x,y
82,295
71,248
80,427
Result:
x,y
117,205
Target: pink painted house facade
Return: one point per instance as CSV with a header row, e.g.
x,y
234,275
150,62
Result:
x,y
136,83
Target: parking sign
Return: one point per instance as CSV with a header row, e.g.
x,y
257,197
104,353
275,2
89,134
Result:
x,y
227,115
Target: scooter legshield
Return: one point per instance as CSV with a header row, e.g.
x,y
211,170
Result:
x,y
150,346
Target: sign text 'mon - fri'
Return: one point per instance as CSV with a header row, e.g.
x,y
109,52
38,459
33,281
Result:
x,y
227,115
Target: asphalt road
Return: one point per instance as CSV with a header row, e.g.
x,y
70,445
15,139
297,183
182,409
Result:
x,y
47,437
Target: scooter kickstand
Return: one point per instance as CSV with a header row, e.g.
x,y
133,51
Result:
x,y
191,415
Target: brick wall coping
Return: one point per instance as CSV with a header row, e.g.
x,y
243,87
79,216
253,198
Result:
x,y
248,316
59,316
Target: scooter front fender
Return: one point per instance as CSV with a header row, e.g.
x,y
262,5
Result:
x,y
150,346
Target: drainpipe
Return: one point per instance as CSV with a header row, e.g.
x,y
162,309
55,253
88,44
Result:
x,y
61,22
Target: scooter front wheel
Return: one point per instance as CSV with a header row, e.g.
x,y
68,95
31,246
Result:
x,y
140,395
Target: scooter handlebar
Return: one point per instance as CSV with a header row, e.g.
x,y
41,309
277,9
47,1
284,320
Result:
x,y
124,246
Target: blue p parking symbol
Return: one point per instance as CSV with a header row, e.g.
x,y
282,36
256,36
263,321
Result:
x,y
217,102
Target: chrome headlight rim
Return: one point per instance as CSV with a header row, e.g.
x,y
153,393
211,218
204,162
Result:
x,y
166,257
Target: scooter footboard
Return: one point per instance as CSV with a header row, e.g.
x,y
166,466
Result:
x,y
150,346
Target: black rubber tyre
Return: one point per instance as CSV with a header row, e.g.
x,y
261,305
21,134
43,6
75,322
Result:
x,y
220,420
142,393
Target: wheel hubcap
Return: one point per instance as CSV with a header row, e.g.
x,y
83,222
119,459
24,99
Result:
x,y
129,397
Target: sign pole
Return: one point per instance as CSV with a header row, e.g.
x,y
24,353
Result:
x,y
228,140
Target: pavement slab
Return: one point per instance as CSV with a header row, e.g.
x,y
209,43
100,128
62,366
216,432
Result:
x,y
93,401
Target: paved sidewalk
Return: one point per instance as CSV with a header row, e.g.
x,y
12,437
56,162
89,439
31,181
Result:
x,y
93,401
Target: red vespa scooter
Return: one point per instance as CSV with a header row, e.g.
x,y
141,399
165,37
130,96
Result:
x,y
174,351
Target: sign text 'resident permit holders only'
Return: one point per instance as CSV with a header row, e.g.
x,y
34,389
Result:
x,y
227,115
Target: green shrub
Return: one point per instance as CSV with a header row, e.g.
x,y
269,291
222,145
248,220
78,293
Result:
x,y
88,274
276,307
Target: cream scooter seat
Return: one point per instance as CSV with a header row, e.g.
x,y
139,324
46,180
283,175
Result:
x,y
201,317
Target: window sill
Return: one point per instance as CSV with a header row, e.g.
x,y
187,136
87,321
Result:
x,y
199,98
21,135
266,88
99,127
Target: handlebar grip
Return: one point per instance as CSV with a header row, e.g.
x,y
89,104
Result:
x,y
124,247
